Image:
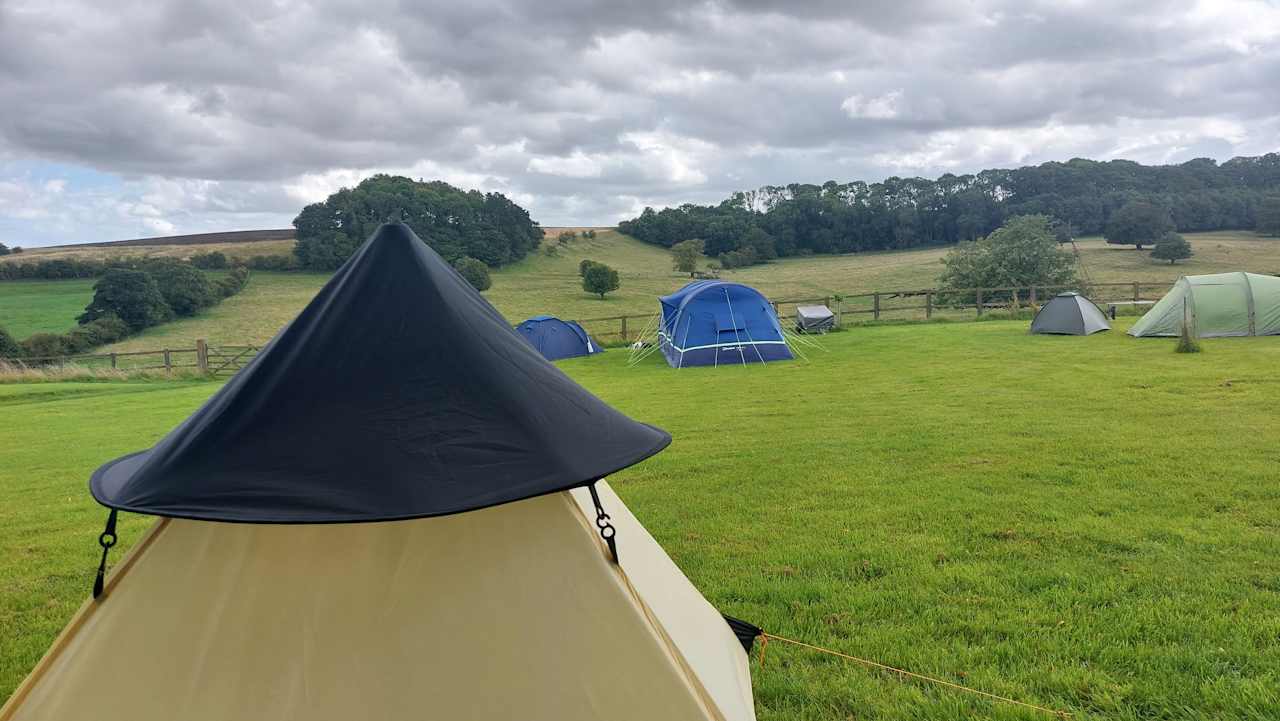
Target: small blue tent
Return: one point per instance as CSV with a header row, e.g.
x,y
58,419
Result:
x,y
713,322
556,339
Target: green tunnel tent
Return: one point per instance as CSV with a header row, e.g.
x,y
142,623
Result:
x,y
1218,306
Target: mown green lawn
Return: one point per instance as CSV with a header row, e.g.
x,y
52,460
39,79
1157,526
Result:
x,y
42,306
1084,523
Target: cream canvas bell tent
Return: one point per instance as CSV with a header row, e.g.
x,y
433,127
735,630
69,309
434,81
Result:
x,y
373,521
1216,306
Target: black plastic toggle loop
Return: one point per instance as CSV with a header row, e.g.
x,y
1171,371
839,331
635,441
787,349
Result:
x,y
607,531
106,539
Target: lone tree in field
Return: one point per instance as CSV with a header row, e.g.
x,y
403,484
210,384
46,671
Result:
x,y
1139,223
1268,216
132,295
1020,253
1172,247
599,278
475,271
685,255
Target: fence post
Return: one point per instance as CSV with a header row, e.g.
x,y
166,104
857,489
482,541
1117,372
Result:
x,y
1135,291
875,307
1033,295
113,361
202,355
168,365
979,303
624,329
928,304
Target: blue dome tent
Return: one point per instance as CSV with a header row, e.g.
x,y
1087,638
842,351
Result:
x,y
556,339
713,322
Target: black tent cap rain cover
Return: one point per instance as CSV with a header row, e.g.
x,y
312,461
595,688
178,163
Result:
x,y
397,393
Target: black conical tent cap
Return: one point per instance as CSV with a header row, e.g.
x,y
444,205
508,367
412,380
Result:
x,y
398,392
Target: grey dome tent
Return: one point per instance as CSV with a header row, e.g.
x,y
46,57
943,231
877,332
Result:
x,y
501,590
1069,314
1217,306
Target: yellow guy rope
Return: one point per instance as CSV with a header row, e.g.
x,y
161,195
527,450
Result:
x,y
766,637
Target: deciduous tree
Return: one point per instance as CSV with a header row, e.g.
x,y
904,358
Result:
x,y
600,279
1138,222
1268,216
1020,253
476,272
132,295
454,222
1172,247
685,255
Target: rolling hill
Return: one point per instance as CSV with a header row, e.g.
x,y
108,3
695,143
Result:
x,y
544,283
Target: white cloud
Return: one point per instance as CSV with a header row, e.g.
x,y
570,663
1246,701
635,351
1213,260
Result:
x,y
577,165
159,225
880,107
207,119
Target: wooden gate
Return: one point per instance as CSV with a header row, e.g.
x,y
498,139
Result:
x,y
227,359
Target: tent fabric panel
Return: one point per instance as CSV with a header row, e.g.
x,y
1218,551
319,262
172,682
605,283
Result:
x,y
1165,317
1266,303
1094,319
1221,305
398,392
704,641
254,621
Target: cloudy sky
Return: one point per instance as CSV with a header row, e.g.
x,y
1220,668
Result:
x,y
123,119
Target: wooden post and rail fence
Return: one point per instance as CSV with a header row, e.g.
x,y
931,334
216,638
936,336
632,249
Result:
x,y
923,304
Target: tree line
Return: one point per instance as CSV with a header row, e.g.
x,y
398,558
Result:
x,y
1080,196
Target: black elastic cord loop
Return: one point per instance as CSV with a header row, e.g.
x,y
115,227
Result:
x,y
607,531
106,539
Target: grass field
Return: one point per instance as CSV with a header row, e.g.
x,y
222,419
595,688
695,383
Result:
x,y
550,284
42,306
1084,523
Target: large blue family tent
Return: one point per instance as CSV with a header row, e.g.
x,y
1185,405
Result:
x,y
556,339
713,322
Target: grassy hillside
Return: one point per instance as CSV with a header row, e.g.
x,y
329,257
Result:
x,y
1062,520
42,306
136,249
550,284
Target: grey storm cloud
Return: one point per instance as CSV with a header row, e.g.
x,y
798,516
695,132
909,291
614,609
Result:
x,y
585,111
